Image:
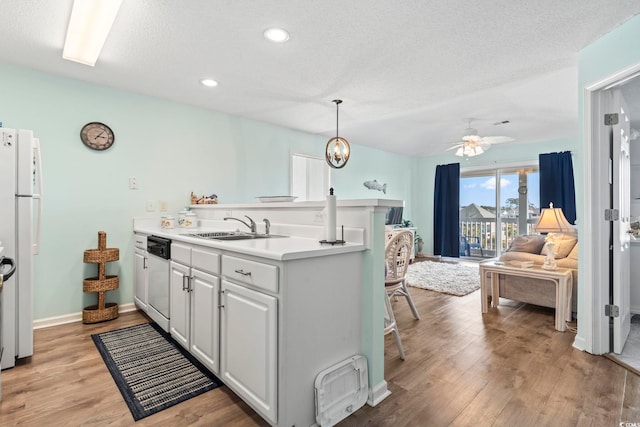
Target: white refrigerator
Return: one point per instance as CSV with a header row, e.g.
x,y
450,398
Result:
x,y
20,220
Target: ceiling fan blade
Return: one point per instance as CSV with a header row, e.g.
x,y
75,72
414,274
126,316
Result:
x,y
497,139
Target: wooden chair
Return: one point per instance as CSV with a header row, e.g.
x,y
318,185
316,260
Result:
x,y
397,258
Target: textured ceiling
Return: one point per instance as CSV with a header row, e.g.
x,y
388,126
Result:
x,y
410,73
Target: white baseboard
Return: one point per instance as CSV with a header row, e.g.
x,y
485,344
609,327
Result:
x,y
378,393
579,343
74,317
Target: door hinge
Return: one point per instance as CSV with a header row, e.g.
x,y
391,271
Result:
x,y
611,215
611,310
611,119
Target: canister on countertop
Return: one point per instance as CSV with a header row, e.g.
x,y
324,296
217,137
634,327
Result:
x,y
181,218
168,221
187,219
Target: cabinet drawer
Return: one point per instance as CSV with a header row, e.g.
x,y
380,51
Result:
x,y
205,259
140,241
181,253
261,275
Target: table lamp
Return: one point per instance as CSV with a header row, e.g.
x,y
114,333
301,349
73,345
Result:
x,y
552,220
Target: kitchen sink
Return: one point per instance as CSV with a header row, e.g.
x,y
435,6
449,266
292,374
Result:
x,y
232,235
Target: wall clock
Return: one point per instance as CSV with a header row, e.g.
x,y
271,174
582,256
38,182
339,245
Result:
x,y
522,189
97,136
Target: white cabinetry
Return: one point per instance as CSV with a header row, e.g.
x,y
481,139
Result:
x,y
282,324
249,347
194,300
249,332
180,303
141,276
267,327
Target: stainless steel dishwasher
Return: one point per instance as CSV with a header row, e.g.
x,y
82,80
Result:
x,y
159,250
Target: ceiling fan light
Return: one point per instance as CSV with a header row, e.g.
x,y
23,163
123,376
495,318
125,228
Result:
x,y
473,145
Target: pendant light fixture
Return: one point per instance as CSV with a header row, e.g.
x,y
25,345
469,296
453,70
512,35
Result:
x,y
338,150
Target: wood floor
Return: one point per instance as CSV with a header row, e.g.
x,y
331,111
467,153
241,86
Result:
x,y
506,368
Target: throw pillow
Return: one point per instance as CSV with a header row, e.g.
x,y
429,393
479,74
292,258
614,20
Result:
x,y
573,255
527,243
564,243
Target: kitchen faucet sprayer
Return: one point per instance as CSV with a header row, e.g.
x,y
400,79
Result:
x,y
252,225
267,225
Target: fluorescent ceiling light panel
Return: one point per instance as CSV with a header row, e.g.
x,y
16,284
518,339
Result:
x,y
90,23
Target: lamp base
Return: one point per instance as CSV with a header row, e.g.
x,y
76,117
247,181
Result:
x,y
550,259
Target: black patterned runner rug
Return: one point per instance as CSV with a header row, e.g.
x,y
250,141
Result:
x,y
151,370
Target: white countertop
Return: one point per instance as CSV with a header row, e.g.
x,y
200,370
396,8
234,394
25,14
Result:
x,y
340,203
276,248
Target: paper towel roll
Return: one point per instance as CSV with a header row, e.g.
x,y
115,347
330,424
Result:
x,y
330,220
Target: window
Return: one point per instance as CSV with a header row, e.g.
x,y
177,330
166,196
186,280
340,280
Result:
x,y
495,206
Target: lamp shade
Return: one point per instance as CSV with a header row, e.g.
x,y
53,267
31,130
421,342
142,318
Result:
x,y
552,220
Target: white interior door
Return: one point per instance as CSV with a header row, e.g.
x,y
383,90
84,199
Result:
x,y
621,184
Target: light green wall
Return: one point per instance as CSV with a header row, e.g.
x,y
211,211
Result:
x,y
367,164
499,155
172,149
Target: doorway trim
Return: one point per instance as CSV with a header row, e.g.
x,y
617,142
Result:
x,y
593,326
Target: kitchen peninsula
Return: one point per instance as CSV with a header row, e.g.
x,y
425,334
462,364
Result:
x,y
281,309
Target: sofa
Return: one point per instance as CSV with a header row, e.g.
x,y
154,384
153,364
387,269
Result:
x,y
533,248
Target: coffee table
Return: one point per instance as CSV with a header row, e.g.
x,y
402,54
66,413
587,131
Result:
x,y
490,277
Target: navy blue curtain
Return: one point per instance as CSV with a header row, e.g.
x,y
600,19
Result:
x,y
446,211
557,184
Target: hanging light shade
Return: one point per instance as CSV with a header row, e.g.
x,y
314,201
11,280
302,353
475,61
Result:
x,y
338,150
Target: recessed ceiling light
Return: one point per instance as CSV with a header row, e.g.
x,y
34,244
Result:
x,y
277,35
209,82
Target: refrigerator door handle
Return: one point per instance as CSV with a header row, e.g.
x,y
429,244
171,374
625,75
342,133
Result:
x,y
9,273
37,160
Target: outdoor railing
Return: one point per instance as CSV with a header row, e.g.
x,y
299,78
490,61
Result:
x,y
491,239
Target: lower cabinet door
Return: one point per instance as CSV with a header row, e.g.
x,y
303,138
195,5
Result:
x,y
249,347
179,298
205,323
141,279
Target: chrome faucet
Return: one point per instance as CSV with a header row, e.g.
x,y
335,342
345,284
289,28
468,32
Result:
x,y
267,225
251,225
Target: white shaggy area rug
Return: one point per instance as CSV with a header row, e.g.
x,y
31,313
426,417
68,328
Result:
x,y
448,278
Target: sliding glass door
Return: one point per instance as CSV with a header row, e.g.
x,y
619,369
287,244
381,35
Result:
x,y
495,206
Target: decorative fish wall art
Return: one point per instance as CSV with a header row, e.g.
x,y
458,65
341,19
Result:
x,y
375,185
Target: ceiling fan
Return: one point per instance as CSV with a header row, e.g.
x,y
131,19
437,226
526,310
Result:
x,y
474,145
